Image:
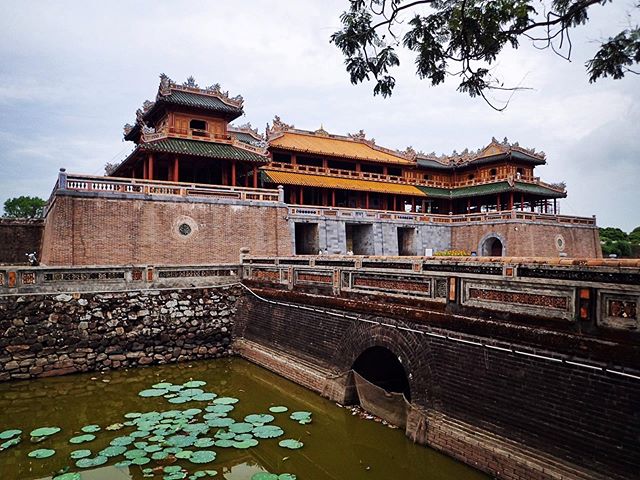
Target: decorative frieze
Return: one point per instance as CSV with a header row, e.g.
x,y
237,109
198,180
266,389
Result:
x,y
619,311
548,301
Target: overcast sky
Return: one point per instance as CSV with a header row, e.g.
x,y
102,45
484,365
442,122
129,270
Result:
x,y
73,72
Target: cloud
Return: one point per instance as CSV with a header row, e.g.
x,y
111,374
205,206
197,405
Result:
x,y
72,73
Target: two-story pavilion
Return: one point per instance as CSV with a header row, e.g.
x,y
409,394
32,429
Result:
x,y
318,168
184,136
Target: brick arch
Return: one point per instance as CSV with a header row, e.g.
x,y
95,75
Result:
x,y
405,345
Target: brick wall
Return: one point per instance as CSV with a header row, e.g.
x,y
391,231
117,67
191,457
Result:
x,y
530,239
575,415
18,237
83,230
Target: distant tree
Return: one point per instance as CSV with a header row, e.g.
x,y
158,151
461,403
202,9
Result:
x,y
463,38
613,234
24,207
634,236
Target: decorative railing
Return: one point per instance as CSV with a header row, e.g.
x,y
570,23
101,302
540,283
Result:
x,y
352,174
29,279
134,186
505,215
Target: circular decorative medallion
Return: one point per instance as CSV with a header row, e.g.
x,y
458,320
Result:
x,y
560,243
184,229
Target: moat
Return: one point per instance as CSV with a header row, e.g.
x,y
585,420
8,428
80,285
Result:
x,y
337,444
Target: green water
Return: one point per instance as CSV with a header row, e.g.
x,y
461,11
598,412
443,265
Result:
x,y
337,445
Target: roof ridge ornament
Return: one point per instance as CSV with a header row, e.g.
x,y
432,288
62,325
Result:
x,y
278,126
321,132
167,85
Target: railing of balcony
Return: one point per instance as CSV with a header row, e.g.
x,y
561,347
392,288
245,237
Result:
x,y
86,183
505,215
336,172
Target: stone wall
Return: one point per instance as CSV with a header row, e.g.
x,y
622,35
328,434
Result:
x,y
521,239
19,237
57,334
510,410
90,229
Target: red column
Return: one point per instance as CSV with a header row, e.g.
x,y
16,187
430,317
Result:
x,y
176,170
511,201
468,205
333,198
255,177
498,206
301,201
366,200
145,163
150,168
413,204
522,201
233,173
394,203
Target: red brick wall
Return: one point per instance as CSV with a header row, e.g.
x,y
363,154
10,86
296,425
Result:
x,y
18,237
99,231
531,240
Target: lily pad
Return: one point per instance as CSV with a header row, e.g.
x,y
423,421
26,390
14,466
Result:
x,y
159,455
136,453
287,476
42,453
9,433
181,440
264,476
44,431
225,401
162,385
241,427
301,417
204,397
204,443
248,443
10,443
78,454
268,431
194,384
259,418
91,428
203,456
291,444
184,454
153,392
140,461
87,437
124,441
224,443
278,409
221,422
68,476
112,451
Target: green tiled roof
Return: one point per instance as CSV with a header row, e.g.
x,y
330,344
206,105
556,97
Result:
x,y
490,189
202,149
245,137
208,102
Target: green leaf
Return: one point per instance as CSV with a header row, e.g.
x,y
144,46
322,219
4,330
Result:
x,y
291,444
44,431
203,456
42,453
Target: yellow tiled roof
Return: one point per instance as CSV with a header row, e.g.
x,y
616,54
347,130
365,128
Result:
x,y
303,179
335,147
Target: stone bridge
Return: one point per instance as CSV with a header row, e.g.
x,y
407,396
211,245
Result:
x,y
521,367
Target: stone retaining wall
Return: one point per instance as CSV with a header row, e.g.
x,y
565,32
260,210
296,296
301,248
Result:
x,y
57,334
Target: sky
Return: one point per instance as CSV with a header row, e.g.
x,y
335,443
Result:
x,y
72,73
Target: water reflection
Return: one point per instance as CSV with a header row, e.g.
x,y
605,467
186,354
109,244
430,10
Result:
x,y
337,444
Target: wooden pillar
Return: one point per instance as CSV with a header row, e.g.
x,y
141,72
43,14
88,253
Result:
x,y
333,198
468,205
294,160
301,200
395,202
522,201
233,173
555,206
150,167
175,176
511,201
366,200
145,164
255,177
498,206
413,204
385,171
325,163
423,206
533,205
358,167
292,196
325,200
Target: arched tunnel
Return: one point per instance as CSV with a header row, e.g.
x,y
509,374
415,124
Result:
x,y
380,366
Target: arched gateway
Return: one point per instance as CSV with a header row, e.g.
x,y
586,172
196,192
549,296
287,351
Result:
x,y
492,245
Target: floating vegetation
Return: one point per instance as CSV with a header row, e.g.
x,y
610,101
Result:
x,y
301,417
42,453
156,439
82,438
9,434
44,432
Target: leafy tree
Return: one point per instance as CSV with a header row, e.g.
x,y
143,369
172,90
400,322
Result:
x,y
24,207
634,236
463,38
612,234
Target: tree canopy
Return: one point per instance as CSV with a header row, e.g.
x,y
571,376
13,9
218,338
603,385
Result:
x,y
24,207
463,38
617,242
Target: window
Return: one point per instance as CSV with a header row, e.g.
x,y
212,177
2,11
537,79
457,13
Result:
x,y
493,172
427,176
197,125
519,173
471,176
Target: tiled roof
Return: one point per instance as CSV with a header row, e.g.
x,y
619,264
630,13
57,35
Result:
x,y
196,100
335,147
244,137
200,148
490,189
288,178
